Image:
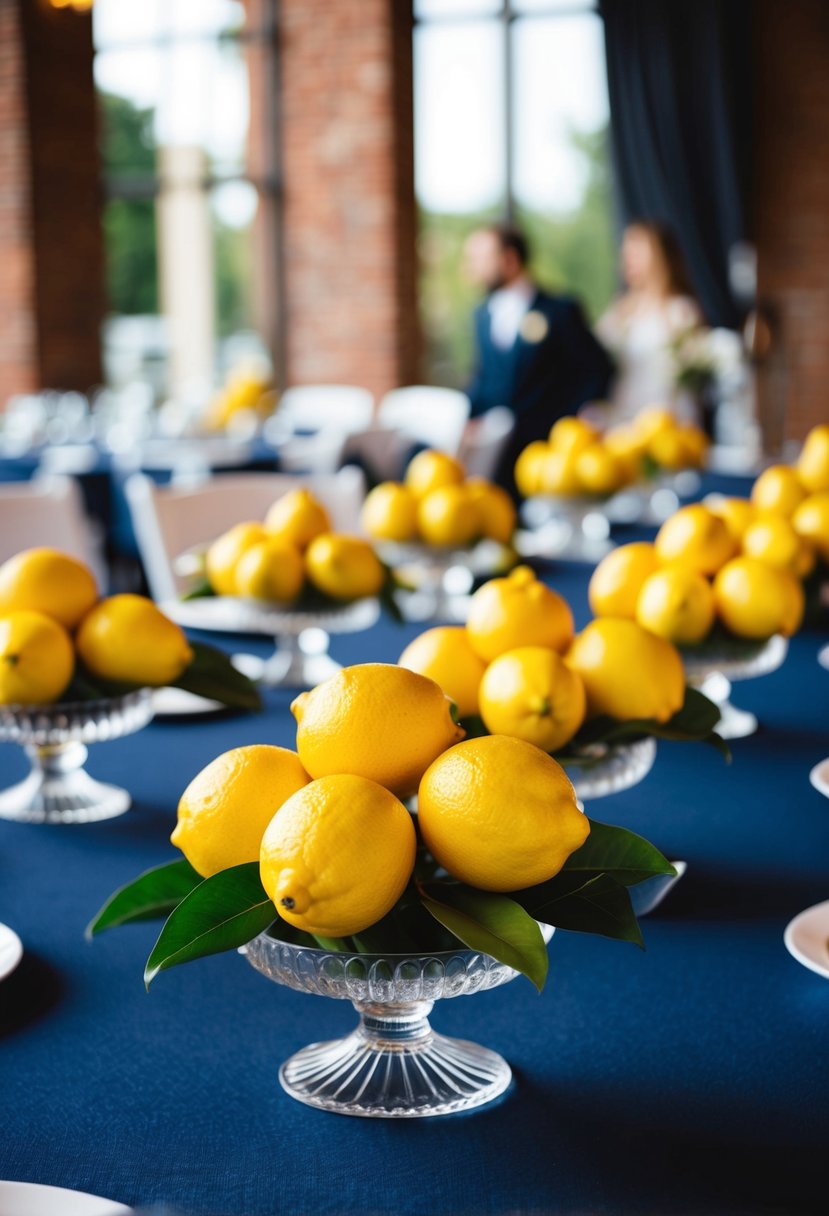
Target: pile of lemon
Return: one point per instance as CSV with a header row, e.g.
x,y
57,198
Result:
x,y
580,460
437,504
335,843
52,619
519,665
247,389
790,502
272,560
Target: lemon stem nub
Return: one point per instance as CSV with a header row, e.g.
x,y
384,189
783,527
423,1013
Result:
x,y
541,706
11,659
288,902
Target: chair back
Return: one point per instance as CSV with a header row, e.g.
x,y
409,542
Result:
x,y
481,448
169,520
48,511
426,414
313,407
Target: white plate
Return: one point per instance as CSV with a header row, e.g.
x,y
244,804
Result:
x,y
11,952
806,938
176,702
819,777
823,657
32,1199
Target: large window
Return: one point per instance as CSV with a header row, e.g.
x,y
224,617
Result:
x,y
511,120
187,101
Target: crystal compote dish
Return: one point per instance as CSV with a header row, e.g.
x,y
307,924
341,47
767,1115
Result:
x,y
609,768
301,638
442,577
574,528
392,1065
55,738
712,666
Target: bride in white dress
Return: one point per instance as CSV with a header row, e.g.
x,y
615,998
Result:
x,y
639,327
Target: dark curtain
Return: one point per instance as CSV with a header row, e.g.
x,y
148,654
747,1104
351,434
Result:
x,y
679,82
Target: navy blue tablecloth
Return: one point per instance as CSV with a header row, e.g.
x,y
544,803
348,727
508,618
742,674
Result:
x,y
691,1078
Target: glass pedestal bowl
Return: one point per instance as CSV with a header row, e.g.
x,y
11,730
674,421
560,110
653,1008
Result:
x,y
301,639
609,769
575,529
55,738
441,577
392,1065
823,657
711,667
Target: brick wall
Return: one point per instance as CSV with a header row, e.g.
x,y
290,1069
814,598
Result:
x,y
791,212
349,217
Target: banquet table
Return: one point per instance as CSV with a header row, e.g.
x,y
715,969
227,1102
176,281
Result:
x,y
691,1077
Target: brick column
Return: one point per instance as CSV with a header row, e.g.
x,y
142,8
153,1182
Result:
x,y
791,212
51,250
349,213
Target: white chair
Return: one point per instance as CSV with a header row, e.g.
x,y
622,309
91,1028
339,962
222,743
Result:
x,y
332,411
48,511
485,440
425,414
169,520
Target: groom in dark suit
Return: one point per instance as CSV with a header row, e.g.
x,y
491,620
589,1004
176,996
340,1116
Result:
x,y
535,352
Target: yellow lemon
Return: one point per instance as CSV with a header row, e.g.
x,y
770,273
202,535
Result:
x,y
223,813
617,580
697,444
529,467
813,462
811,522
627,671
531,694
432,470
772,539
736,513
495,507
778,490
476,827
598,470
374,720
445,655
755,600
628,447
517,611
127,639
224,554
297,517
677,604
696,538
36,658
572,435
271,569
48,581
654,420
338,855
559,474
448,516
390,512
344,567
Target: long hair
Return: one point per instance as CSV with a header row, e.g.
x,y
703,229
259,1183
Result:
x,y
663,239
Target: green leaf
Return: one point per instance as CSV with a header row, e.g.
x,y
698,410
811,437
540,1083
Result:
x,y
387,597
223,912
491,923
211,674
601,905
696,720
615,851
153,894
200,590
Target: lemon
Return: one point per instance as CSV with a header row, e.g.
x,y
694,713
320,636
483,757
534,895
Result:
x,y
449,516
755,600
811,522
271,569
627,445
297,517
432,470
224,554
476,827
223,813
778,490
529,466
558,473
695,537
495,508
677,604
390,512
772,539
736,513
530,693
598,470
374,720
48,581
338,855
627,671
344,567
813,462
36,658
517,611
445,655
617,580
674,449
127,639
653,420
570,434
696,442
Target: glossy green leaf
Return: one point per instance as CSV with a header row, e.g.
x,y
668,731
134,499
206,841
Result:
x,y
155,893
696,720
211,674
223,912
612,850
491,923
601,905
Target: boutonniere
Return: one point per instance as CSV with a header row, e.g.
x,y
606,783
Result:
x,y
534,327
